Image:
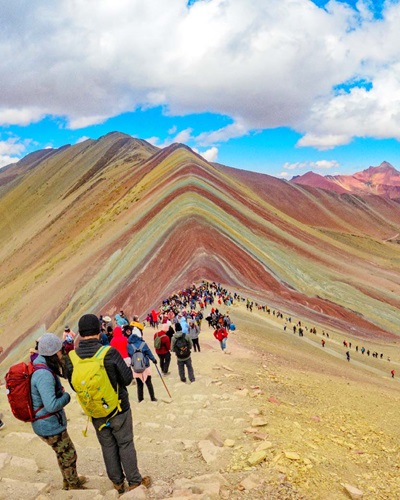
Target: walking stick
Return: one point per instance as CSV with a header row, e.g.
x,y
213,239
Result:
x,y
163,381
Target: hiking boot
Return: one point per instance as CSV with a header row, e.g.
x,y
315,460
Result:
x,y
120,488
146,482
2,425
78,486
183,380
154,399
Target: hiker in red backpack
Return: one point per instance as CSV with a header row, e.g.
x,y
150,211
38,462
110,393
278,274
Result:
x,y
221,334
163,351
48,400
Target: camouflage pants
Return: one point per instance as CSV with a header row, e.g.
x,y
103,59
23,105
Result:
x,y
66,457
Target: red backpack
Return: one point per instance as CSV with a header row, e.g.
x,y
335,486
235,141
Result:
x,y
18,389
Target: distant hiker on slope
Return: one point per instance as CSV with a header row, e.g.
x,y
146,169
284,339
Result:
x,y
141,369
221,334
49,398
114,431
181,345
194,332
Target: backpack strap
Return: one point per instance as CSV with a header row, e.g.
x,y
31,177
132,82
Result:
x,y
100,355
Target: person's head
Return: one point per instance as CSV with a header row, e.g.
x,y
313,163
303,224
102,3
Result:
x,y
178,327
66,329
50,346
89,326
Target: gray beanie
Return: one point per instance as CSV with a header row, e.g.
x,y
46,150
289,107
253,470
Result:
x,y
49,344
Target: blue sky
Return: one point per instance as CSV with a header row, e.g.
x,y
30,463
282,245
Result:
x,y
273,86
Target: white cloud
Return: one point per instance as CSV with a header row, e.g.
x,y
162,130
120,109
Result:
x,y
283,175
312,165
6,160
209,155
249,60
82,139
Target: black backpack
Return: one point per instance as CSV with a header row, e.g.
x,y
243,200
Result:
x,y
182,347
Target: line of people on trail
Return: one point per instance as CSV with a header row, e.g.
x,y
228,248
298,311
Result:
x,y
100,361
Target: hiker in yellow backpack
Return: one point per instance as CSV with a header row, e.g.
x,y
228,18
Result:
x,y
99,376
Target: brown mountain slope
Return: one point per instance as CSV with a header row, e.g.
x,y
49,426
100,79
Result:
x,y
117,223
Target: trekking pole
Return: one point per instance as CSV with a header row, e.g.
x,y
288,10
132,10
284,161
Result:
x,y
163,381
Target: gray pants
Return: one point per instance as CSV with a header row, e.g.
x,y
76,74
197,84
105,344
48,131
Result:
x,y
118,450
181,369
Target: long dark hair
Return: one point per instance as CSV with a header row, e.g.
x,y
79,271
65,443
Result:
x,y
55,364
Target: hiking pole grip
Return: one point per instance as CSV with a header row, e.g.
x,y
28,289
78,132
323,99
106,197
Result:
x,y
163,381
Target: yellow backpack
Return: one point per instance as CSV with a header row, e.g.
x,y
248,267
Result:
x,y
94,390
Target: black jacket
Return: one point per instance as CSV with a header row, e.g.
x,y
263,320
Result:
x,y
118,372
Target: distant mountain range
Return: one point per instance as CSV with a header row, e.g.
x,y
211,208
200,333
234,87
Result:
x,y
117,223
383,180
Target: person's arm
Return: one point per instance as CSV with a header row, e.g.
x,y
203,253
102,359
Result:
x,y
68,369
147,352
117,370
46,385
172,343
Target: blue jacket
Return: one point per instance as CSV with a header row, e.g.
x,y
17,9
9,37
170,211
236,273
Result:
x,y
46,391
184,325
134,343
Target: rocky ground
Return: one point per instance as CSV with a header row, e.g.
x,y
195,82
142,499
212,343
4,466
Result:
x,y
279,417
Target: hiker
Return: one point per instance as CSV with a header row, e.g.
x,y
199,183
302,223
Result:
x,y
49,399
348,355
114,431
137,344
33,351
181,345
221,335
120,342
323,343
121,319
68,340
392,373
135,323
194,332
154,318
164,347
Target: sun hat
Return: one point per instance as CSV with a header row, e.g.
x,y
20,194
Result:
x,y
49,344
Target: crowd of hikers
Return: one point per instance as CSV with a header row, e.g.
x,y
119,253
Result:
x,y
100,361
103,358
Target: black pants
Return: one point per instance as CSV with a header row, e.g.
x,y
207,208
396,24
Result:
x,y
196,345
165,360
181,369
140,386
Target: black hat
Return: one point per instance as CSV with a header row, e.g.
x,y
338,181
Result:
x,y
88,325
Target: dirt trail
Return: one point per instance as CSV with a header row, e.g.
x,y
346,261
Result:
x,y
317,422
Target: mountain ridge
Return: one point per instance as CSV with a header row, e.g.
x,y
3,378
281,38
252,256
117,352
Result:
x,y
382,180
119,223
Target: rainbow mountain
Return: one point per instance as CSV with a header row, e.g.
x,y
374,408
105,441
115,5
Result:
x,y
117,223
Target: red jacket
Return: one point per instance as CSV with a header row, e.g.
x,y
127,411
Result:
x,y
165,342
120,342
220,333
